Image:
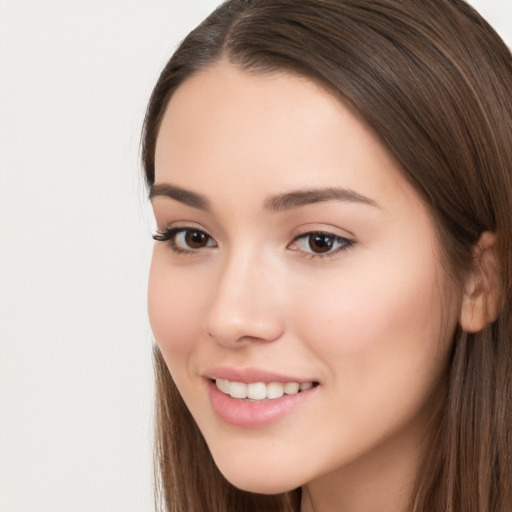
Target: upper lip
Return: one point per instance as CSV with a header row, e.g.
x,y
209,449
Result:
x,y
251,374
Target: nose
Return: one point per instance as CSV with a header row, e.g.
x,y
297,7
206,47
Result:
x,y
245,304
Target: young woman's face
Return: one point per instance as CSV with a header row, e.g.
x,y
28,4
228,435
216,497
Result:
x,y
292,251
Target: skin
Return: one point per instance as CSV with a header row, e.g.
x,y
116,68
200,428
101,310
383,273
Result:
x,y
372,323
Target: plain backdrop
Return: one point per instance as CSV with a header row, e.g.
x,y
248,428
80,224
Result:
x,y
75,343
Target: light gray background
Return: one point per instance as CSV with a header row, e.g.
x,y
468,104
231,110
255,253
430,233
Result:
x,y
75,367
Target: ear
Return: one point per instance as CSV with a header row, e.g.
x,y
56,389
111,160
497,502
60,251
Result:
x,y
481,301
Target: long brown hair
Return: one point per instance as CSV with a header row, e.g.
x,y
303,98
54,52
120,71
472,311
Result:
x,y
434,81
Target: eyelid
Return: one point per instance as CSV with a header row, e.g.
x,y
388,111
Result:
x,y
323,228
178,225
168,236
345,243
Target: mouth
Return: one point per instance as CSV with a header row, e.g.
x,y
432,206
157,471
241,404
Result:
x,y
253,397
260,391
259,403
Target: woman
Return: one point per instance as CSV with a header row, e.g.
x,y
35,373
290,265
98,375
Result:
x,y
331,282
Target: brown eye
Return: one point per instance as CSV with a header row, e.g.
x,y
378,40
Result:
x,y
185,240
321,242
195,239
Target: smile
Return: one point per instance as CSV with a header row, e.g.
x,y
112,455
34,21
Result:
x,y
260,390
258,404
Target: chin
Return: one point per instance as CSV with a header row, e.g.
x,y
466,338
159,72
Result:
x,y
258,477
261,485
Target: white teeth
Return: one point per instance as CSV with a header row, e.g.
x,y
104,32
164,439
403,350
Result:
x,y
257,391
238,389
260,390
290,388
275,390
223,385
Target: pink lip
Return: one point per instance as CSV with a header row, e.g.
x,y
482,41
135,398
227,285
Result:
x,y
243,413
248,375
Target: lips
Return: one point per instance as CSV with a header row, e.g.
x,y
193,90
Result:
x,y
254,398
249,375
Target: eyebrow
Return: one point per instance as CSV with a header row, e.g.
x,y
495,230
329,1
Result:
x,y
180,194
278,203
296,199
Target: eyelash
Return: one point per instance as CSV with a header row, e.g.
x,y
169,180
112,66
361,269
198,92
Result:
x,y
170,235
344,244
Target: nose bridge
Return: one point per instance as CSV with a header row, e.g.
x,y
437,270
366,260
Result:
x,y
244,302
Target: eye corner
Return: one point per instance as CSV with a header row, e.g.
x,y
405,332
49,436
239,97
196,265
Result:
x,y
185,240
161,235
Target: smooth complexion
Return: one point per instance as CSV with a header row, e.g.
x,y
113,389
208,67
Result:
x,y
240,287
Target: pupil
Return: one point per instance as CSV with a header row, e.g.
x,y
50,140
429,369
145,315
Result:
x,y
320,242
195,239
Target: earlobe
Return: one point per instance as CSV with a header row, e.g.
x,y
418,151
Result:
x,y
481,301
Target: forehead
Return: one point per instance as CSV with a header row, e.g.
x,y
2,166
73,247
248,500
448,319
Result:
x,y
268,133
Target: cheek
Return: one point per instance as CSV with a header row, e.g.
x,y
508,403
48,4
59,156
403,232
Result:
x,y
174,312
381,335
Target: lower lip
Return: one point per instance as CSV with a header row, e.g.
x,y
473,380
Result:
x,y
243,413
